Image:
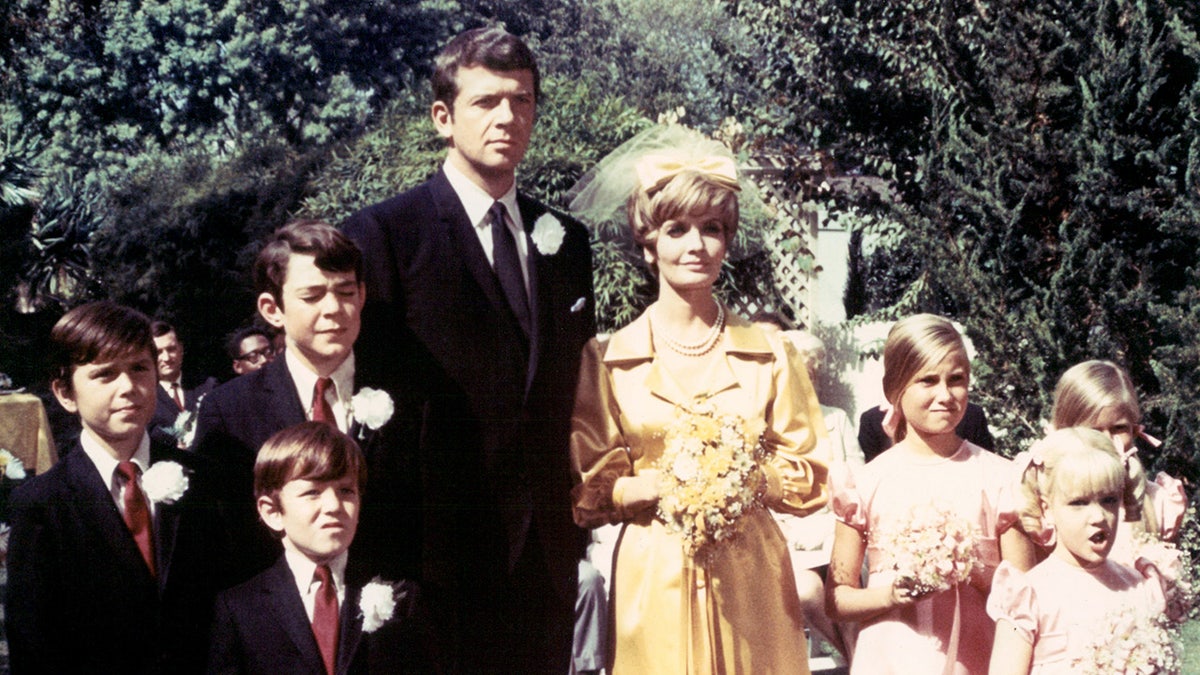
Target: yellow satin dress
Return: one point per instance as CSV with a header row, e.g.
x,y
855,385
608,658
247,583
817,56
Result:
x,y
734,609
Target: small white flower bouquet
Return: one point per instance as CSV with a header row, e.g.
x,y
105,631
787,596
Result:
x,y
165,482
377,603
708,475
931,548
1175,566
1124,645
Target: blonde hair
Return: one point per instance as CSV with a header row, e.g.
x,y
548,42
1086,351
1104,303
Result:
x,y
913,344
689,192
1074,457
1084,392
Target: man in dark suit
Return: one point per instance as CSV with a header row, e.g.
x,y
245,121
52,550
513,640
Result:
x,y
174,396
308,279
873,439
114,557
479,300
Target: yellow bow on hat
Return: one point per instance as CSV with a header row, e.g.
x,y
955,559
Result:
x,y
656,170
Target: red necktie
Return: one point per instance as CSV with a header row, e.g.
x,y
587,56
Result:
x,y
175,395
322,411
137,513
325,617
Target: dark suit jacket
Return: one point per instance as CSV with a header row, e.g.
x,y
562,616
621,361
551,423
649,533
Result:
x,y
493,456
80,598
166,410
873,440
260,627
240,415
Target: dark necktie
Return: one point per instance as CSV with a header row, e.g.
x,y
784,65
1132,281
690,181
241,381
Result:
x,y
508,266
325,617
137,513
175,394
322,411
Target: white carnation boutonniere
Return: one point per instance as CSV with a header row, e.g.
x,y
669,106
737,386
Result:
x,y
165,482
547,234
377,603
371,408
14,468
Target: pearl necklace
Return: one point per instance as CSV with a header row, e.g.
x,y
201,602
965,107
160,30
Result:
x,y
702,347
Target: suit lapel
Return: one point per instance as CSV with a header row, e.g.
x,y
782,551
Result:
x,y
96,505
281,597
350,624
166,526
282,401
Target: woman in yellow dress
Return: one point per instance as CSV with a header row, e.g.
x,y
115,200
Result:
x,y
689,424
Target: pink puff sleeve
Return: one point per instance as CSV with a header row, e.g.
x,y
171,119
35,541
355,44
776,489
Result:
x,y
1164,578
1170,503
1012,599
845,499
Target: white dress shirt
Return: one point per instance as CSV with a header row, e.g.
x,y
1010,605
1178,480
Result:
x,y
476,202
303,570
106,465
338,396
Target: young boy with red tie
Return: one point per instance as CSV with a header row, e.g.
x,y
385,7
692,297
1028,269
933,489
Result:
x,y
314,611
116,553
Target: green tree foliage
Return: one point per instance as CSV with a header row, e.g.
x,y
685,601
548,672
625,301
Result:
x,y
107,81
1045,156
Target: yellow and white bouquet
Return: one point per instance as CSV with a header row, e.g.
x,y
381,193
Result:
x,y
709,475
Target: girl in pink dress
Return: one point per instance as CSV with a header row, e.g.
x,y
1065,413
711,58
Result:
x,y
932,493
1100,395
1078,610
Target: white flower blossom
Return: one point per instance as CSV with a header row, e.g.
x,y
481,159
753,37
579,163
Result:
x,y
377,604
372,407
14,468
547,234
165,482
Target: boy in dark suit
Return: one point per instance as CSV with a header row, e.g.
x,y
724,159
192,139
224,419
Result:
x,y
313,611
308,278
116,552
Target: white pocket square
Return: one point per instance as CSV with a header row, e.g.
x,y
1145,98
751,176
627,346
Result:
x,y
579,305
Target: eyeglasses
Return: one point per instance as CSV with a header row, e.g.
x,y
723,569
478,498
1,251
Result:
x,y
257,355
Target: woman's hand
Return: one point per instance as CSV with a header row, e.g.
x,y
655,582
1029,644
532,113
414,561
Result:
x,y
635,493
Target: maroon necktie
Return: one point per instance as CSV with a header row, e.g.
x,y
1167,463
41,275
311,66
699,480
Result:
x,y
325,617
175,395
322,411
137,513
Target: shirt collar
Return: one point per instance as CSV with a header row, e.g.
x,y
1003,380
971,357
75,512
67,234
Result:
x,y
303,569
305,379
476,201
105,463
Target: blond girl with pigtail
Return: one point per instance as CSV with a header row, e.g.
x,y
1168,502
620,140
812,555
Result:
x,y
1101,396
1079,608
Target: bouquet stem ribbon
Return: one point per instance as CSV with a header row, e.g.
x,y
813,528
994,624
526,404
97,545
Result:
x,y
955,634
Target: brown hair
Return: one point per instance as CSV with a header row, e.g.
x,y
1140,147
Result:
x,y
97,331
913,344
313,451
331,250
491,47
160,328
688,193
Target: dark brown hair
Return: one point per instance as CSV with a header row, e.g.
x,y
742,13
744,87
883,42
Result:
x,y
313,451
331,250
160,328
98,331
491,47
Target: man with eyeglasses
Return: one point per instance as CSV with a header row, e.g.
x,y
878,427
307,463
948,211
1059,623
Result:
x,y
250,349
